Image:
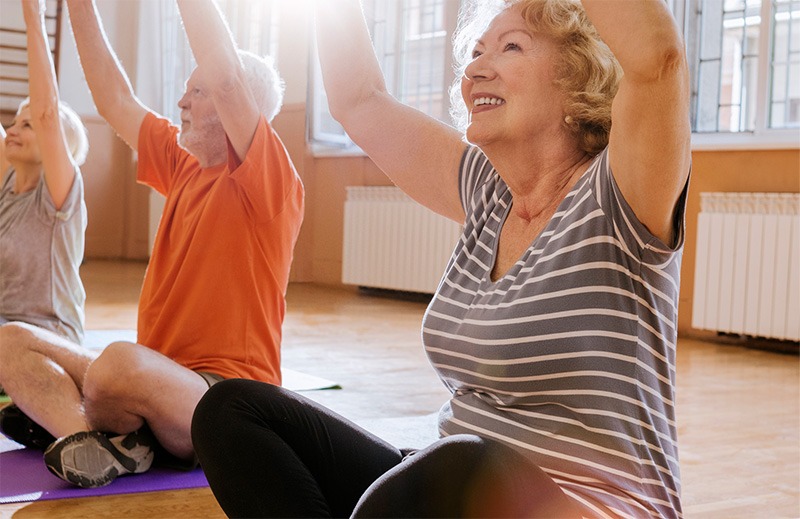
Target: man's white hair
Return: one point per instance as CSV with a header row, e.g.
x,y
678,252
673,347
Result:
x,y
265,82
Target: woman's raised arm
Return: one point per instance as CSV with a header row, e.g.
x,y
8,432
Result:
x,y
420,154
59,170
649,145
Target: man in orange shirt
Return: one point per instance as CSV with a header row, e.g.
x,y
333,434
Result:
x,y
212,303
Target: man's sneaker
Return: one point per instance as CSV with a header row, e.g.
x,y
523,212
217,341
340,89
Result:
x,y
91,459
19,427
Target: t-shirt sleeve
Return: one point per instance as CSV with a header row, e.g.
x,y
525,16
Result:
x,y
627,227
475,171
159,154
266,175
72,204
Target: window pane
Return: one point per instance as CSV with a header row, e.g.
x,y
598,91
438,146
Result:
x,y
251,23
176,61
411,40
708,96
424,46
785,80
749,93
727,65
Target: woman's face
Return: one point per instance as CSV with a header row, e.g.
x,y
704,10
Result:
x,y
509,87
21,143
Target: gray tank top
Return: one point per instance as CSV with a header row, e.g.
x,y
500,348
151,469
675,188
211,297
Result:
x,y
570,356
41,250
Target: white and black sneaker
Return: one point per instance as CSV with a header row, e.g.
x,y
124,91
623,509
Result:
x,y
92,459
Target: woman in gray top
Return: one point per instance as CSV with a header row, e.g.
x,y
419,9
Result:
x,y
42,212
554,325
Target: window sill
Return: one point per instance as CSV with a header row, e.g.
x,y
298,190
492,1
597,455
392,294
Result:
x,y
772,140
322,151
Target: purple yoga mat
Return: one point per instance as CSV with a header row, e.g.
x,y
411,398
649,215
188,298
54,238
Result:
x,y
23,477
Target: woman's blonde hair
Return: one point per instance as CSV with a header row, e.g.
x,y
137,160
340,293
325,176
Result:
x,y
74,131
587,71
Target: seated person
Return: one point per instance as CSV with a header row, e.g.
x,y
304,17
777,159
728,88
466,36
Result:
x,y
42,212
554,326
213,298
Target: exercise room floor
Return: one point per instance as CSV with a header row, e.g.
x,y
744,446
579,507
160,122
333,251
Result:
x,y
738,408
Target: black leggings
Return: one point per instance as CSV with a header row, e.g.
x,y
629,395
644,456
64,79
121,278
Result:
x,y
269,452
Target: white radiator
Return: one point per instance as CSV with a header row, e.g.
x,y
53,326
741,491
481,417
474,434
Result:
x,y
747,272
392,242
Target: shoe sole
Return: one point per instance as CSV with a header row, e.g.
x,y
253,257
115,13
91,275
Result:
x,y
90,459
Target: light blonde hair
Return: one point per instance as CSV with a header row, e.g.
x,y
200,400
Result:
x,y
587,71
74,131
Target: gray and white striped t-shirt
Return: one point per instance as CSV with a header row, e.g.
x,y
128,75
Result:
x,y
570,356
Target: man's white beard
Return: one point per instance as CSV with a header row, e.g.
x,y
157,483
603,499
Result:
x,y
205,140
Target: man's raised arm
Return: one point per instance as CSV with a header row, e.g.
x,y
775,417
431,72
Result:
x,y
111,90
221,71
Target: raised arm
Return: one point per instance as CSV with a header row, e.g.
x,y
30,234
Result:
x,y
649,145
420,154
59,170
111,90
221,72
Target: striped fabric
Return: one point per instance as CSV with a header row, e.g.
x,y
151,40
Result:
x,y
569,357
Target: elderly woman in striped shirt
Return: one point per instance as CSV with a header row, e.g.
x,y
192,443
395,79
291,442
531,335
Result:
x,y
554,326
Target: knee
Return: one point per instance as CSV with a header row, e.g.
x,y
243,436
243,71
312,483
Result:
x,y
110,375
475,458
216,409
483,455
207,409
460,448
14,340
233,401
14,333
227,398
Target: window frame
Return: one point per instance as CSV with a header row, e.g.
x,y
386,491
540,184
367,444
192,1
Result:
x,y
762,136
340,145
177,61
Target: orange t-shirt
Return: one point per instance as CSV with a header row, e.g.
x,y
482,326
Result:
x,y
213,297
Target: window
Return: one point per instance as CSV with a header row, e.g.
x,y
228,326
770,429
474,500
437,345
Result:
x,y
254,28
785,70
412,42
745,60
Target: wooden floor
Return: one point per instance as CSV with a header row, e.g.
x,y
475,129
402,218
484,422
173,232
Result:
x,y
738,408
